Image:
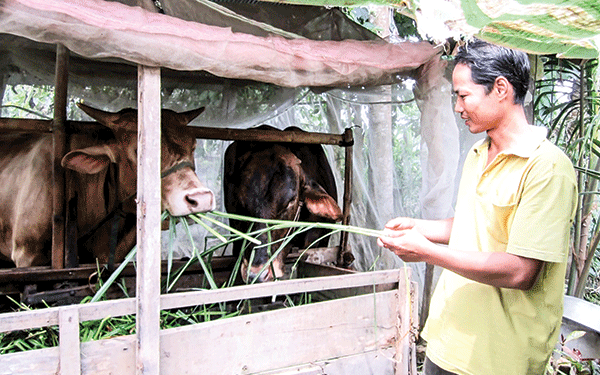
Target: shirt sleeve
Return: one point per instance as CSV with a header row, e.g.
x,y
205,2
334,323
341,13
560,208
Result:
x,y
544,216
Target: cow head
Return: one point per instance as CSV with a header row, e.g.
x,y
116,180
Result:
x,y
182,191
271,183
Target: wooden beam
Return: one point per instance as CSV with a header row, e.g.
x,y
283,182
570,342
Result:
x,y
31,275
148,221
59,143
25,125
69,349
262,135
225,134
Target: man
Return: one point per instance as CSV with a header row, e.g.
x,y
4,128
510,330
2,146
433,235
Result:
x,y
497,306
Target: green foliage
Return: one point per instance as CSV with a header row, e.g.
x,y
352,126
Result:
x,y
362,16
407,27
569,361
24,101
567,101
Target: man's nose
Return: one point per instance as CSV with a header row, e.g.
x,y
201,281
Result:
x,y
457,107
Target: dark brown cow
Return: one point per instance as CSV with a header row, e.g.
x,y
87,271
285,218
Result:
x,y
103,168
278,181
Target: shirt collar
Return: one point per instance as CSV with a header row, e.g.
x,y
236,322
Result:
x,y
523,149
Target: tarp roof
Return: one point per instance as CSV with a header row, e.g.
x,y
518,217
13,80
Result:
x,y
300,46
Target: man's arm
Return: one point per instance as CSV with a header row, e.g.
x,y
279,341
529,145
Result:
x,y
502,270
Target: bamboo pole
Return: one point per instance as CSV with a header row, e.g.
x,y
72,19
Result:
x,y
59,140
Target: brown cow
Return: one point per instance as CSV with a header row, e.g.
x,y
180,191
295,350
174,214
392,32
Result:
x,y
103,168
278,181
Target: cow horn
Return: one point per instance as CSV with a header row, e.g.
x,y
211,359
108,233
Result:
x,y
187,117
98,114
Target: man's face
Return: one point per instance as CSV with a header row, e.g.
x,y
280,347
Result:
x,y
478,109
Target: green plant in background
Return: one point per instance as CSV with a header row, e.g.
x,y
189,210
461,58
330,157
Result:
x,y
569,361
567,102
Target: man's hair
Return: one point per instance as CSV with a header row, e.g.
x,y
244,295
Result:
x,y
488,62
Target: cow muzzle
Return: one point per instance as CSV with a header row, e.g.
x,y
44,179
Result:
x,y
261,273
183,193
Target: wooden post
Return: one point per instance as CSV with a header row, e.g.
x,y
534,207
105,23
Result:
x,y
349,142
70,346
407,324
2,89
148,221
59,141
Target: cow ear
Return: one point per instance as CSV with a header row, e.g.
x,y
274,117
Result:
x,y
319,203
187,117
90,160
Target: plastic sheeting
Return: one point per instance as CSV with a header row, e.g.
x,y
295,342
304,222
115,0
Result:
x,y
101,30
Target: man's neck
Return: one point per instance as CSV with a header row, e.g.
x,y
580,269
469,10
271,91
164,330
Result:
x,y
512,129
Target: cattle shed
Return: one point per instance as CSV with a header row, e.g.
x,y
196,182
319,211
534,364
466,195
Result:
x,y
365,82
170,56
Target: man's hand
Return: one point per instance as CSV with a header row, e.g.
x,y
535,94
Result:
x,y
400,223
405,241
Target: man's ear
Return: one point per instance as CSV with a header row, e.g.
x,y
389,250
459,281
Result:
x,y
502,88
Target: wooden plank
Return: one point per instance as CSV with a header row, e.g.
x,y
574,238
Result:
x,y
59,143
99,310
114,356
377,362
28,319
69,350
282,338
38,362
104,357
148,221
170,301
289,337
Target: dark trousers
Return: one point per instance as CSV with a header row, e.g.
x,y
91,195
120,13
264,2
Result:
x,y
431,368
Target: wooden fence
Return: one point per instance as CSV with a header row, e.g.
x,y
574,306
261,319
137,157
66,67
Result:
x,y
370,331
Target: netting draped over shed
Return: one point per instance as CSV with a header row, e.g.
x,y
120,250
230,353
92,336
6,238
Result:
x,y
100,29
254,72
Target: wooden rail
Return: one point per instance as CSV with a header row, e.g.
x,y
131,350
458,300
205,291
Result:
x,y
100,310
225,134
378,322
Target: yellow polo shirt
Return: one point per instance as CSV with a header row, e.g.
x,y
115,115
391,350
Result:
x,y
523,203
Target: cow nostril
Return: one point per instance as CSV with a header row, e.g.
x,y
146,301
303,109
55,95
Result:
x,y
201,200
191,201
